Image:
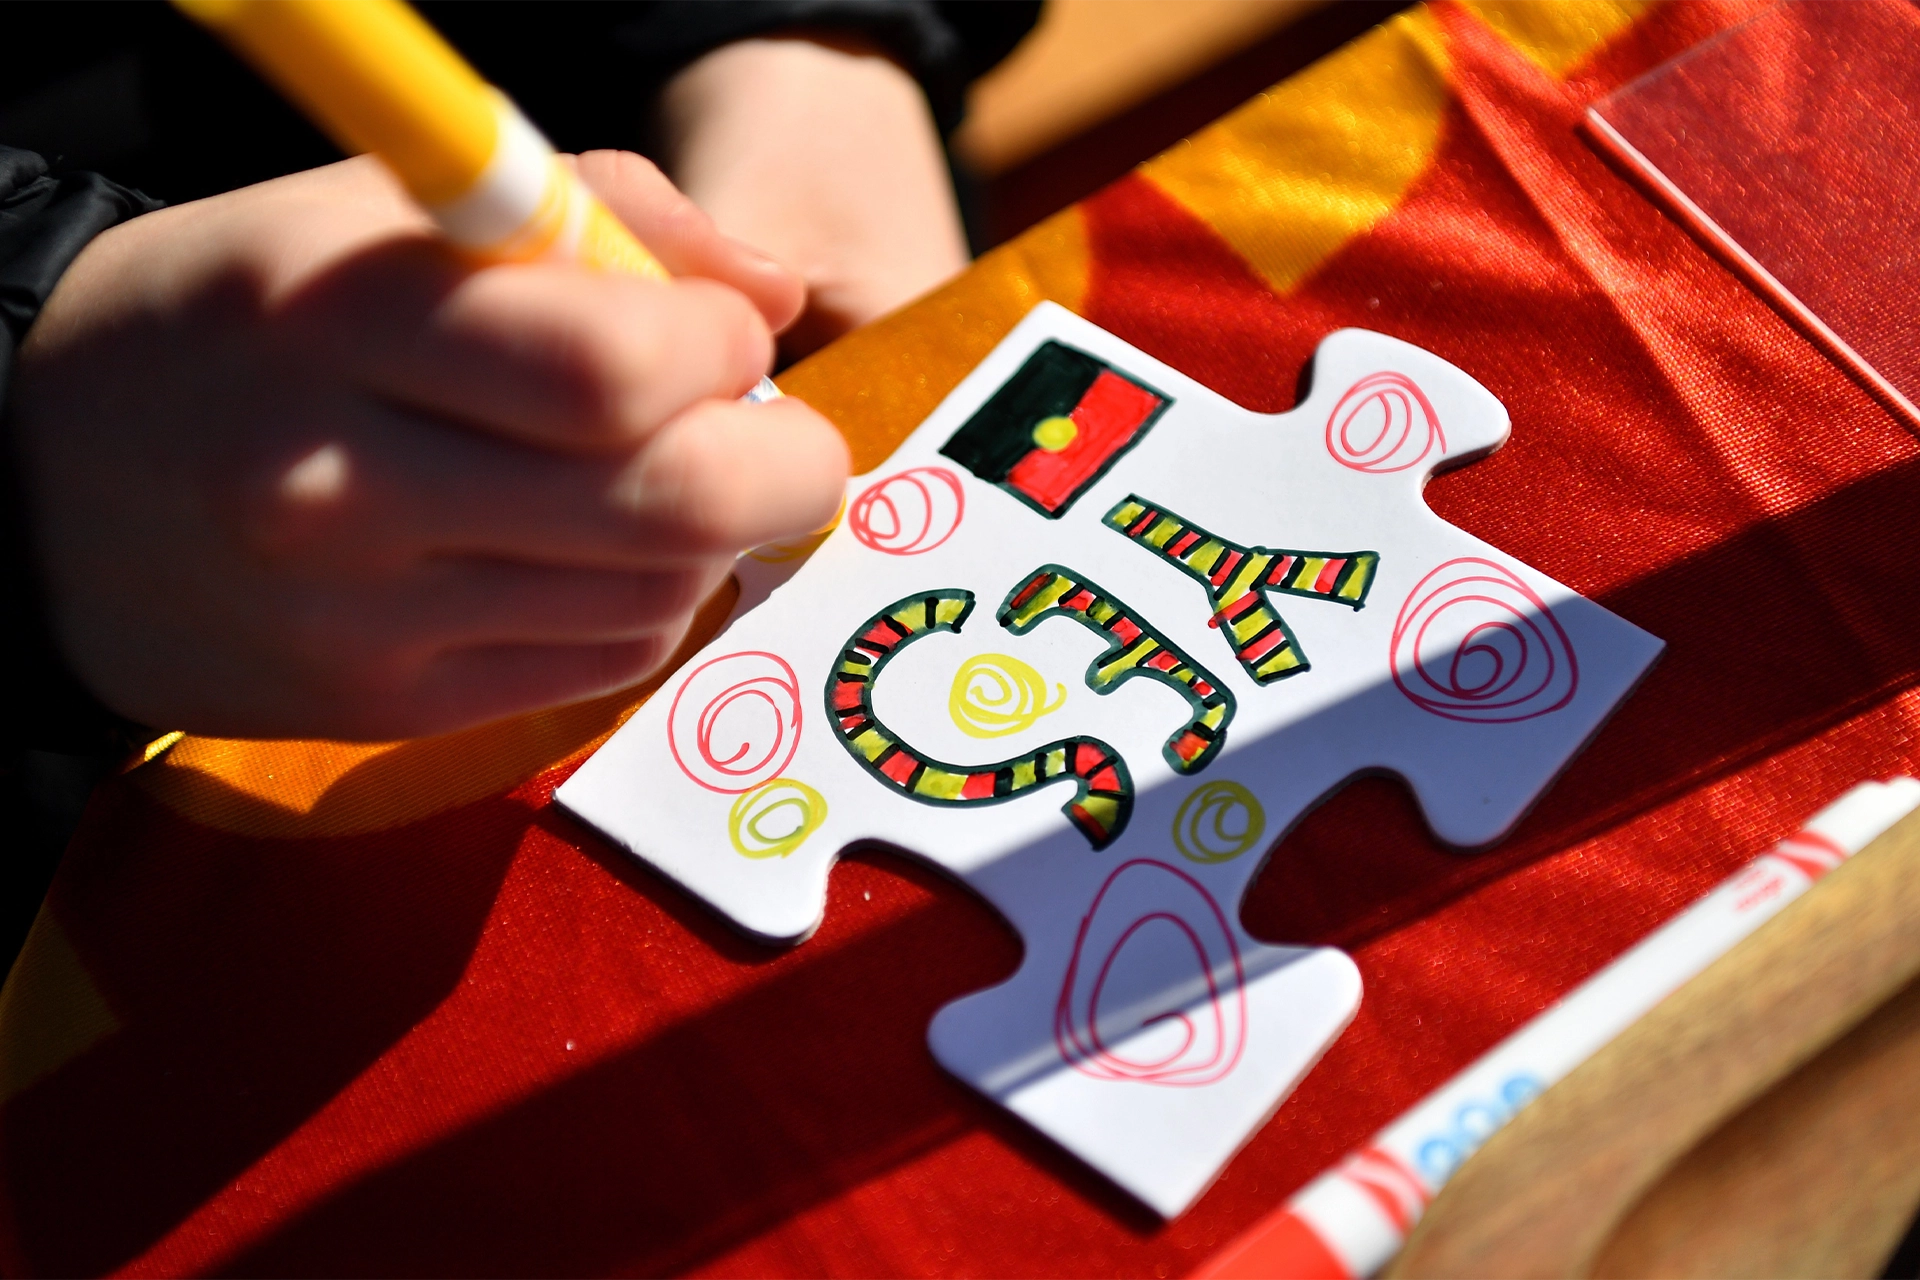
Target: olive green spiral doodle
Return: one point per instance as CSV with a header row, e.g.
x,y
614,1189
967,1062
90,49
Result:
x,y
1217,822
994,695
775,818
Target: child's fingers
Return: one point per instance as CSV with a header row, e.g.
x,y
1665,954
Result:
x,y
549,355
467,603
736,475
685,239
467,686
371,487
495,640
716,480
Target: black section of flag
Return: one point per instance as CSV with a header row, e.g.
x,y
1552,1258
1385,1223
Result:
x,y
1000,432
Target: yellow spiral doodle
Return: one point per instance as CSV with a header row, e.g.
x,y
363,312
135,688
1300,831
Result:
x,y
775,818
994,695
1218,822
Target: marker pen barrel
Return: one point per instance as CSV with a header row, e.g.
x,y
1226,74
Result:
x,y
375,77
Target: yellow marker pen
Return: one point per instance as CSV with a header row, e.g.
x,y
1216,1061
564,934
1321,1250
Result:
x,y
375,77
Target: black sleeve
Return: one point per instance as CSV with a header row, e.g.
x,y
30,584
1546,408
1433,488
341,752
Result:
x,y
45,221
945,44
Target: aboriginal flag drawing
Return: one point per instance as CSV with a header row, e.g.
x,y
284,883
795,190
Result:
x,y
1055,426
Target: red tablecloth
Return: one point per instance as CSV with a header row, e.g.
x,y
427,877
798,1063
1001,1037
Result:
x,y
309,1008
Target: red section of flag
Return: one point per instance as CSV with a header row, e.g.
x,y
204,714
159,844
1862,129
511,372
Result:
x,y
1106,418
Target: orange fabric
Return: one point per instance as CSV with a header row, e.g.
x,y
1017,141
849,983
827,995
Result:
x,y
481,1041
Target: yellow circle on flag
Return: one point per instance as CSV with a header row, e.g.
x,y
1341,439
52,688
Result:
x,y
1054,434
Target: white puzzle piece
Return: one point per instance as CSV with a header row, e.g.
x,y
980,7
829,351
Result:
x,y
1091,640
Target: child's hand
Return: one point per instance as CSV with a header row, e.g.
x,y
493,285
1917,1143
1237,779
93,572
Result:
x,y
292,469
823,153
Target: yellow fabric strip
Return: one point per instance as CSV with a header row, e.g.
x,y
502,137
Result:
x,y
1559,36
1320,158
50,1010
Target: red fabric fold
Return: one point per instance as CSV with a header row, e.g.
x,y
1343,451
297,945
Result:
x,y
353,1056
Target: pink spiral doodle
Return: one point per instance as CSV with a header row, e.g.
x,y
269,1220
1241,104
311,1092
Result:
x,y
1208,1010
1475,643
735,723
1384,423
909,513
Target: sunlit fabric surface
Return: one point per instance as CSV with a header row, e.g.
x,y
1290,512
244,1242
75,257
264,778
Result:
x,y
306,1008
